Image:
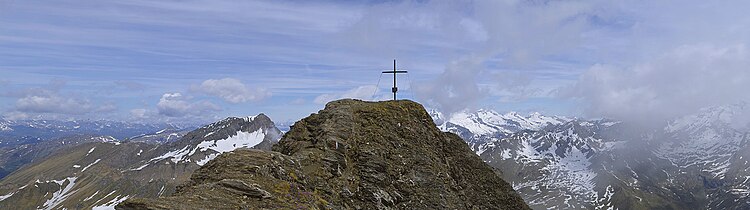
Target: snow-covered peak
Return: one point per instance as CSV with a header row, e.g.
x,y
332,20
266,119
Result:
x,y
478,123
208,142
513,115
483,121
735,116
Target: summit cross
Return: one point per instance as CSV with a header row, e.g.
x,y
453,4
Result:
x,y
394,89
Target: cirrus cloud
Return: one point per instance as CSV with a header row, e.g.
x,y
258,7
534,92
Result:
x,y
362,92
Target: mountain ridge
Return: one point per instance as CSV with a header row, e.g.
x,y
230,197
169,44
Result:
x,y
350,155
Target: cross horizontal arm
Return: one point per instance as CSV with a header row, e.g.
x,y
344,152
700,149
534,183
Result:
x,y
394,71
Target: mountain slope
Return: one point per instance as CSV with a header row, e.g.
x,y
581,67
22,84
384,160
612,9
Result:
x,y
106,173
698,161
13,158
350,155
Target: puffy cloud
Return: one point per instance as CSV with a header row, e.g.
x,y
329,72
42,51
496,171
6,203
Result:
x,y
53,104
177,105
231,90
362,92
676,83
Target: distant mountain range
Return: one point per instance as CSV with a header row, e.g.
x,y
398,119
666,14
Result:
x,y
696,162
482,126
23,142
104,171
14,133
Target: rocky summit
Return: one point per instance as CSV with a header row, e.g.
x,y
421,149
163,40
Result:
x,y
350,155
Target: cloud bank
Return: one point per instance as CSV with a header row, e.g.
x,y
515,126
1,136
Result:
x,y
474,34
677,83
52,102
231,90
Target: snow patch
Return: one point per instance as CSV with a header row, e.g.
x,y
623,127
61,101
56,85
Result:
x,y
107,139
175,156
139,168
111,204
59,196
209,157
241,139
87,167
208,134
171,135
92,196
3,197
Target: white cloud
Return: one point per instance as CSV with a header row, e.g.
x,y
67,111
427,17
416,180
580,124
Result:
x,y
677,83
231,90
177,105
362,92
49,103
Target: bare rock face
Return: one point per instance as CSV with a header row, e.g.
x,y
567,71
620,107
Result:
x,y
350,155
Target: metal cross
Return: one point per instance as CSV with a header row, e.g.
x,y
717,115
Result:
x,y
394,89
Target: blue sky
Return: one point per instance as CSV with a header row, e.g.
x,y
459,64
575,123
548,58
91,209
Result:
x,y
204,60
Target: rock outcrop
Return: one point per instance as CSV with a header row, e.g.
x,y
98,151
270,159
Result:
x,y
350,155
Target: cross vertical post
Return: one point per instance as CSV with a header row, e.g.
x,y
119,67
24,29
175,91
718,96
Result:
x,y
395,88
